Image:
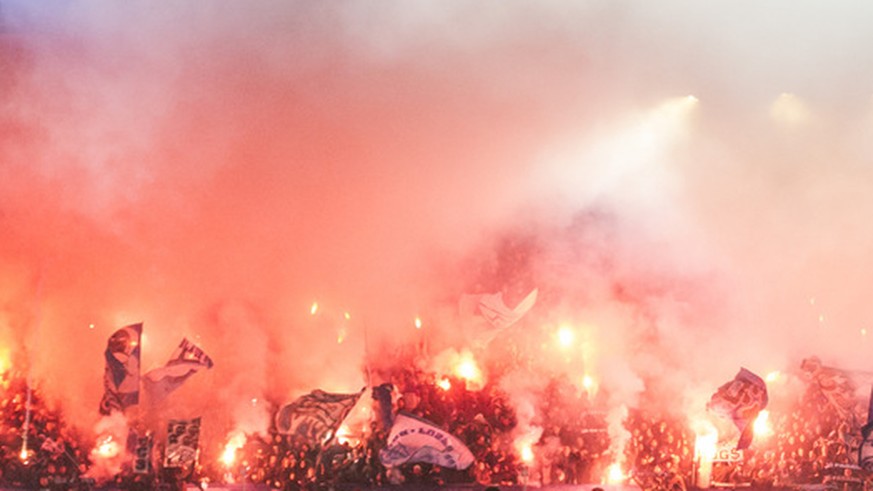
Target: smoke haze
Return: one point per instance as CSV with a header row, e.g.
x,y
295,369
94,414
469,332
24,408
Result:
x,y
212,169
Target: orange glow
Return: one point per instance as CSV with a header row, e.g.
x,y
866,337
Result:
x,y
706,442
5,364
527,454
614,474
761,426
565,336
107,447
24,454
237,440
444,384
418,323
314,308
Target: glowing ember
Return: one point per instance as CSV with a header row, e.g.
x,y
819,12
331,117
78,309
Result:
x,y
418,323
314,309
341,336
23,455
762,426
566,336
444,384
347,315
237,440
614,474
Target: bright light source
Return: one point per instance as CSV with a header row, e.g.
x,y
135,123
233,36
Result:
x,y
314,308
237,440
773,376
444,384
566,336
527,454
418,323
789,110
762,426
614,474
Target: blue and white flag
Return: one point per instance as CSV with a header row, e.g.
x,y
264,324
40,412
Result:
x,y
121,377
315,416
185,361
413,440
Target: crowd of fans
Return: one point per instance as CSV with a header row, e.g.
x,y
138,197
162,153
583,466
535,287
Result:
x,y
810,444
38,450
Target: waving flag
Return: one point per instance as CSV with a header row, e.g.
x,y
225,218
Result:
x,y
121,377
835,384
185,361
315,416
741,400
416,440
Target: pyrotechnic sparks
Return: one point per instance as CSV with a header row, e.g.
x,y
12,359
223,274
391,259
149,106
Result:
x,y
341,335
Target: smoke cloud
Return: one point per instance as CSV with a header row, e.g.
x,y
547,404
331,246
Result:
x,y
213,169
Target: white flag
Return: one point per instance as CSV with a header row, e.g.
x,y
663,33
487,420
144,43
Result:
x,y
186,360
415,440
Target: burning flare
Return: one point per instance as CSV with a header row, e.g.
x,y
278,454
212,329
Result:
x,y
237,440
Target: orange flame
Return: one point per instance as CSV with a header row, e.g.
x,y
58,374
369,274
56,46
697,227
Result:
x,y
614,474
237,440
107,447
444,384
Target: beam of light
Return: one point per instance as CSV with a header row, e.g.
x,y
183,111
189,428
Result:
x,y
236,442
313,309
789,110
614,474
762,426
